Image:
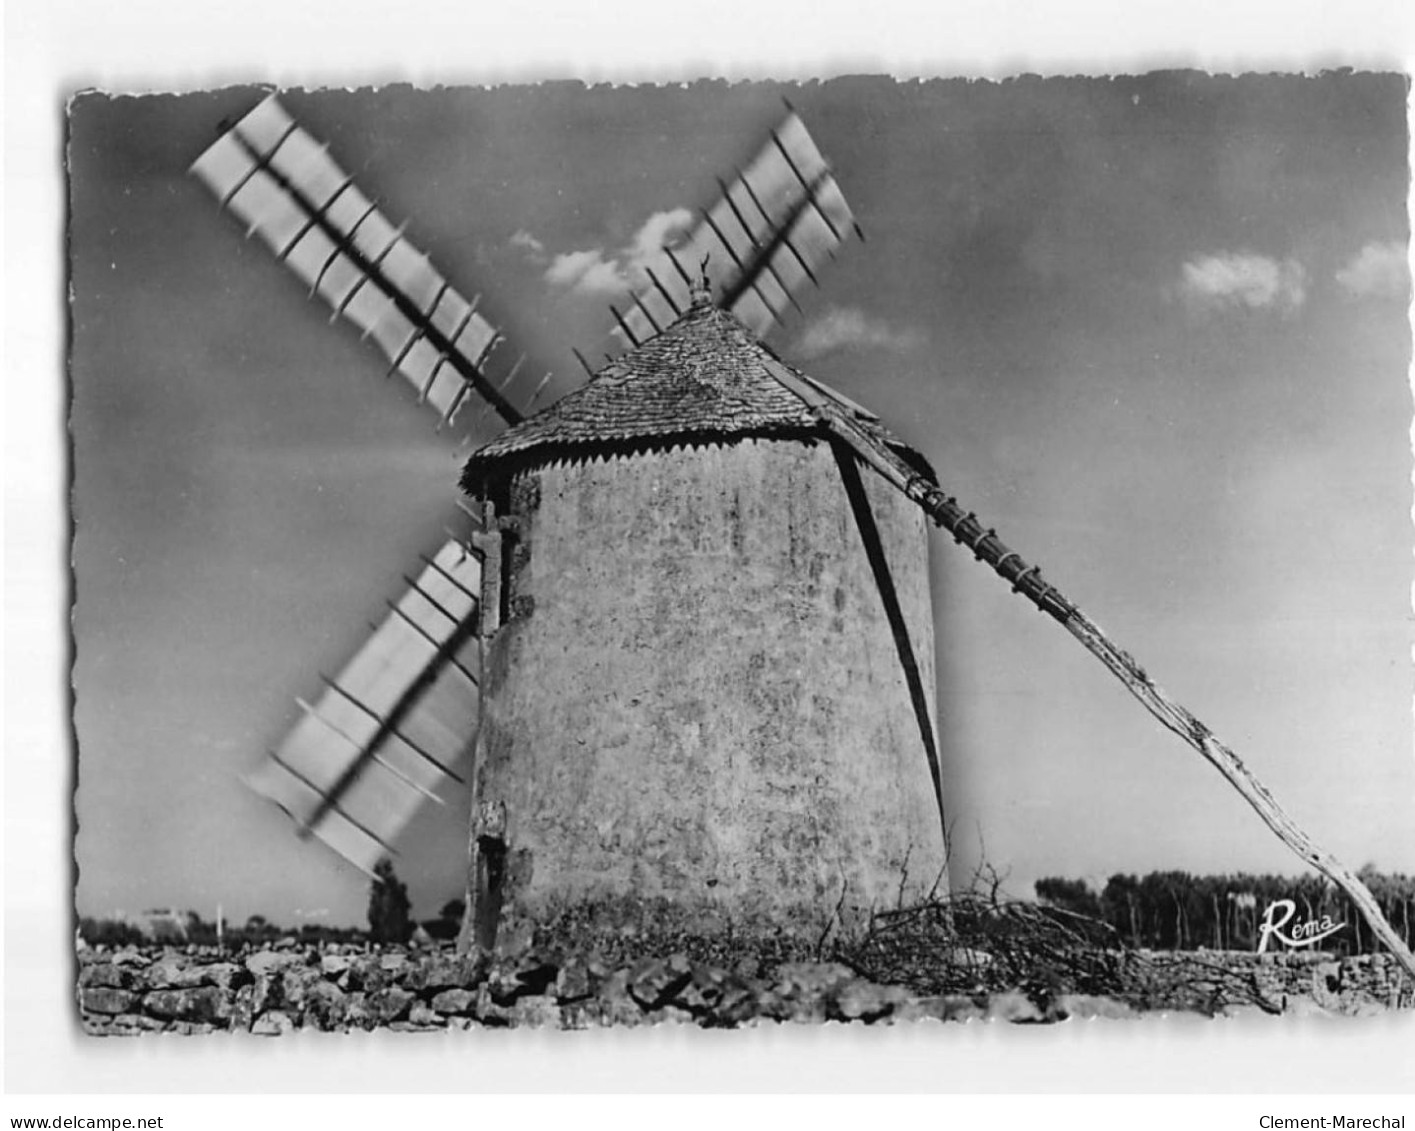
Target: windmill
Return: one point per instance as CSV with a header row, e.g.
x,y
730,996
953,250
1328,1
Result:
x,y
389,729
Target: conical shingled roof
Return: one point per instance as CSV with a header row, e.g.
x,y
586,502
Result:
x,y
705,379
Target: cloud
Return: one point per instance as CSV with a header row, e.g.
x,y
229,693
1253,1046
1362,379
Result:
x,y
1379,270
654,234
846,327
599,270
534,249
587,271
1235,279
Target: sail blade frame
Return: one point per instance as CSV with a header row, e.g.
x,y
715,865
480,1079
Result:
x,y
389,730
774,225
285,187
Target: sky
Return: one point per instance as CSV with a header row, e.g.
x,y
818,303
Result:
x,y
1153,329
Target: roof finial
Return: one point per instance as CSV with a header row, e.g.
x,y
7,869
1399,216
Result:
x,y
700,293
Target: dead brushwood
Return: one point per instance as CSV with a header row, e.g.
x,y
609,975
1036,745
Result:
x,y
979,943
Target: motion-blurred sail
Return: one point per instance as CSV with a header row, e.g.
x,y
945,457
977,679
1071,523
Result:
x,y
777,222
390,729
274,177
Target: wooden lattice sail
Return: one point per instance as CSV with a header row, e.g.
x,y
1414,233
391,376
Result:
x,y
389,731
274,177
777,223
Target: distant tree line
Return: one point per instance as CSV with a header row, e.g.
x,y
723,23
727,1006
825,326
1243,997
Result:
x,y
1179,911
389,921
192,930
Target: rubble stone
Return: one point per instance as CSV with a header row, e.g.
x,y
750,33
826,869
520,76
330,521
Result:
x,y
325,1006
390,1004
574,982
203,1004
109,974
421,1014
106,1000
859,1000
653,983
536,1011
268,961
272,1024
455,1001
358,1014
442,972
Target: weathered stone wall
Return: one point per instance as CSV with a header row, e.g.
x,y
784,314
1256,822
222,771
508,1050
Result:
x,y
1295,979
269,992
698,695
341,988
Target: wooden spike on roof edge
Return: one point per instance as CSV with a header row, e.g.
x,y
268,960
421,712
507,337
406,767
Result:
x,y
944,511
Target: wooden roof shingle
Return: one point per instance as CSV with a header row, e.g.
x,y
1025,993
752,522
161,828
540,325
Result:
x,y
705,379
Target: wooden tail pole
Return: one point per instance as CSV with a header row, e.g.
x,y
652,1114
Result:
x,y
1026,580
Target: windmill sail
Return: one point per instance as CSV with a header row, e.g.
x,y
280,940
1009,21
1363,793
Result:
x,y
389,730
777,222
282,183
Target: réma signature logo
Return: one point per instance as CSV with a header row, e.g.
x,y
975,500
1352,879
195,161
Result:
x,y
1302,933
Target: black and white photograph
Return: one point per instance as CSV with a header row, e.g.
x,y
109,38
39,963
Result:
x,y
808,556
568,555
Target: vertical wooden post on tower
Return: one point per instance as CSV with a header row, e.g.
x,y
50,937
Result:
x,y
487,826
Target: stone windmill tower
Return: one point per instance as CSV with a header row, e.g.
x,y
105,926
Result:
x,y
711,680
687,646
